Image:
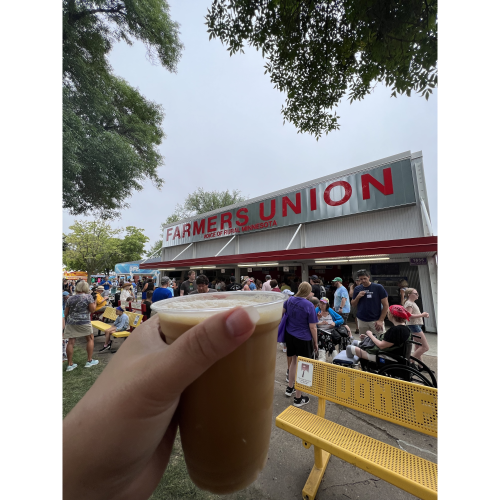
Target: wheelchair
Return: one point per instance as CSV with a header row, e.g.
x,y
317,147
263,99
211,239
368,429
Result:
x,y
339,342
405,367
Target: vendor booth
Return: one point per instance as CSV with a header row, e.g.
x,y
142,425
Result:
x,y
74,275
131,271
374,216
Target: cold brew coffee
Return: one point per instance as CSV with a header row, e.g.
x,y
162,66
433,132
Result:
x,y
226,414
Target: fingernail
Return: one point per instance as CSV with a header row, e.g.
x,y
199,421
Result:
x,y
236,320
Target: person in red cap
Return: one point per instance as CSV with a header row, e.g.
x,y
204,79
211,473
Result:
x,y
392,341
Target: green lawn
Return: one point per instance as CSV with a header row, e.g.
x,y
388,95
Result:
x,y
175,483
77,382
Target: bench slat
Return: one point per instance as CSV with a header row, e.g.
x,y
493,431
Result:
x,y
100,325
119,335
406,471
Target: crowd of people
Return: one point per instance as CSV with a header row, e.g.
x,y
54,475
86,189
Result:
x,y
311,304
311,314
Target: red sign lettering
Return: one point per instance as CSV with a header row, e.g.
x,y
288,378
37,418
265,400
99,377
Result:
x,y
312,196
287,203
177,233
348,192
386,188
212,223
225,218
273,211
198,227
169,230
244,218
186,228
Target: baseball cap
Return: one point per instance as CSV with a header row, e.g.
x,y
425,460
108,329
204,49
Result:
x,y
119,309
268,277
288,292
65,293
324,299
313,277
337,279
232,279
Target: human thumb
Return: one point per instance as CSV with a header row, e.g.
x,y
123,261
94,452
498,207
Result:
x,y
200,347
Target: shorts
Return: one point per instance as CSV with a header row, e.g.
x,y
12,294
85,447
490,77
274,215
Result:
x,y
415,328
344,317
298,347
354,310
369,325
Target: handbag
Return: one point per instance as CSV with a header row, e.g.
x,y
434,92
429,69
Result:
x,y
282,328
342,331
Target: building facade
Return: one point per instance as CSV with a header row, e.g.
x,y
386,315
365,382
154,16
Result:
x,y
374,216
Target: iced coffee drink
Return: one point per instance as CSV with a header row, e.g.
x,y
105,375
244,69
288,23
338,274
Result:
x,y
226,414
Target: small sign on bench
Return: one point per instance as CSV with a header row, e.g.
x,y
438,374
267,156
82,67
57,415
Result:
x,y
305,373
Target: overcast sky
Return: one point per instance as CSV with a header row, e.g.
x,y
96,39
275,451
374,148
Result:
x,y
224,129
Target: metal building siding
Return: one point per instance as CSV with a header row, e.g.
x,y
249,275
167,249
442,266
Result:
x,y
426,293
269,240
392,224
211,247
168,253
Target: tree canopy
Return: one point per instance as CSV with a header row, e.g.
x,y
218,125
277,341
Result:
x,y
319,51
111,133
201,201
94,247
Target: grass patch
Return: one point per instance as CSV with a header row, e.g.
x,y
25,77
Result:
x,y
77,382
175,483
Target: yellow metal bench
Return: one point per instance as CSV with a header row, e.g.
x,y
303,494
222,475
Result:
x,y
409,405
134,320
109,313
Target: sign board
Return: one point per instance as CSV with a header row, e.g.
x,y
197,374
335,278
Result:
x,y
222,271
305,373
131,268
285,269
249,270
418,261
377,188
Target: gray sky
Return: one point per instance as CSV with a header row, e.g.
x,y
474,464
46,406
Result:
x,y
224,129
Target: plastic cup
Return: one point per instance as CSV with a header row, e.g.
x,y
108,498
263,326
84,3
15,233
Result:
x,y
226,414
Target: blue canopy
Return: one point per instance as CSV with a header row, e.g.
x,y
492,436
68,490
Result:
x,y
133,267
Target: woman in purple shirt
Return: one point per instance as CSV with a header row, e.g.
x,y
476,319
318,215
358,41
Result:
x,y
301,336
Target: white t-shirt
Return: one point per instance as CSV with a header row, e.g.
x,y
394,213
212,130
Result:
x,y
123,297
266,287
414,310
327,318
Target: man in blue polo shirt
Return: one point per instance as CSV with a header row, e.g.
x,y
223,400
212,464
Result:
x,y
106,283
163,292
372,303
